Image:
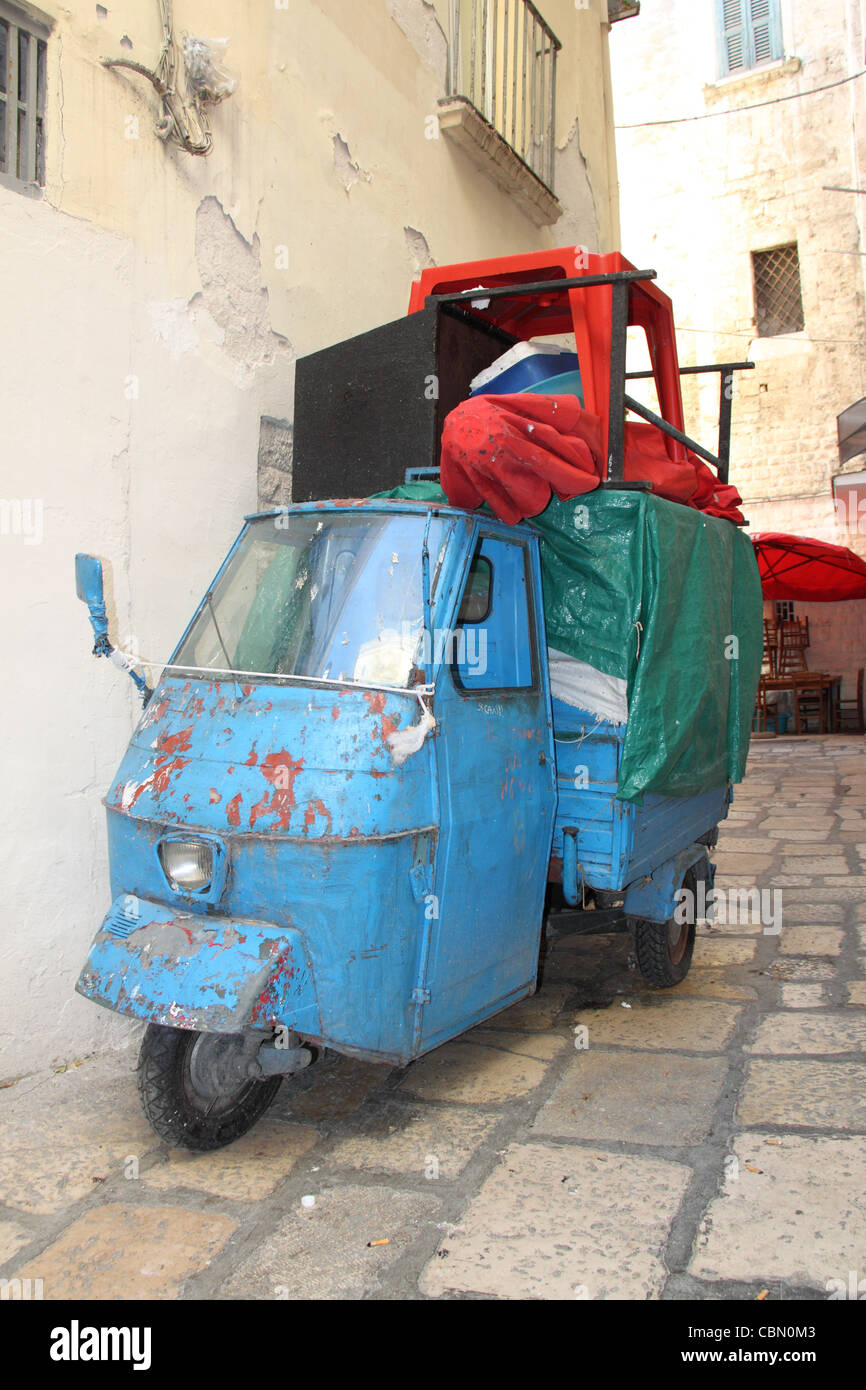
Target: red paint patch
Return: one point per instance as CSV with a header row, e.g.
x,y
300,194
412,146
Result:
x,y
280,769
335,712
233,809
314,809
215,796
169,744
388,723
260,809
160,780
253,758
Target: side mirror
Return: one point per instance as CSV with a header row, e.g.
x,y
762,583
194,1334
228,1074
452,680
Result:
x,y
88,579
89,588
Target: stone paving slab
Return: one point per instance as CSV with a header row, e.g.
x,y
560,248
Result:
x,y
719,929
433,1143
339,1088
475,1075
722,950
537,1013
615,1097
124,1251
815,1095
12,1237
552,1223
794,864
805,996
65,1135
810,941
667,1023
247,1171
703,982
830,1031
788,833
543,1046
794,1210
805,850
332,1251
809,913
801,968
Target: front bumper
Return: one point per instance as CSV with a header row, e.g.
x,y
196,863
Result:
x,y
212,974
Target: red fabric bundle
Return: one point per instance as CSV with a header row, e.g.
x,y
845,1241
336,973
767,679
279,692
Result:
x,y
513,451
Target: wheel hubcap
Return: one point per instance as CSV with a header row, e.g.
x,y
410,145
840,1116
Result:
x,y
216,1071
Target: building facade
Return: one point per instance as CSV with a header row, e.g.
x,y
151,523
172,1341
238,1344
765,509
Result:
x,y
155,302
741,141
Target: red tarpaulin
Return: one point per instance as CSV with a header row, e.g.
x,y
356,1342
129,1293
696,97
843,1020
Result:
x,y
513,451
796,567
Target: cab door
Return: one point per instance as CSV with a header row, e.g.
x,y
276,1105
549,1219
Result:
x,y
497,791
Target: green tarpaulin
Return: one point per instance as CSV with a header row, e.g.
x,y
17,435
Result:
x,y
669,600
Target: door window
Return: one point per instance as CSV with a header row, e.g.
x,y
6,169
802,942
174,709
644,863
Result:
x,y
494,645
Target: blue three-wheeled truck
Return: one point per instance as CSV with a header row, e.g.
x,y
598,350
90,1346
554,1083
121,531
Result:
x,y
398,734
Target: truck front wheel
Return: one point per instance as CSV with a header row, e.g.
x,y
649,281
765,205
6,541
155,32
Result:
x,y
664,949
192,1089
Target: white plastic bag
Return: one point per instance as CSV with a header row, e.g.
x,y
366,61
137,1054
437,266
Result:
x,y
208,78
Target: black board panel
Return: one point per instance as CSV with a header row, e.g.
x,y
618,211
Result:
x,y
372,406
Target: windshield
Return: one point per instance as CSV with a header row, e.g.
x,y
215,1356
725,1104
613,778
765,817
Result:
x,y
337,596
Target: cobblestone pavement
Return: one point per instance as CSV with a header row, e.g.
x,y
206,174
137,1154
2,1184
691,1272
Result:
x,y
709,1143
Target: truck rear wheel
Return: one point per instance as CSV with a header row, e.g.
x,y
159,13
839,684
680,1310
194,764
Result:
x,y
664,949
191,1091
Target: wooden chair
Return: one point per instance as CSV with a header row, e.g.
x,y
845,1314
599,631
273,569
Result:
x,y
791,659
793,641
771,648
812,703
852,709
760,720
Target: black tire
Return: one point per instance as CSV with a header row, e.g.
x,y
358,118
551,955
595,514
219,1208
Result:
x,y
664,949
188,1116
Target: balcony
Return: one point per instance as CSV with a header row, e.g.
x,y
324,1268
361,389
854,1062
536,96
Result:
x,y
501,103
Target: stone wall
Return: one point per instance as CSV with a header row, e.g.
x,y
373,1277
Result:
x,y
719,181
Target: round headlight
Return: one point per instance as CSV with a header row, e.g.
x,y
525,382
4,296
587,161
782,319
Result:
x,y
188,864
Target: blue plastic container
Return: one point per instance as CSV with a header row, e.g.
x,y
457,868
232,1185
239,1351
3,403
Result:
x,y
529,372
567,384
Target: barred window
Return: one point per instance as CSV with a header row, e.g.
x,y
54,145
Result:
x,y
23,52
778,298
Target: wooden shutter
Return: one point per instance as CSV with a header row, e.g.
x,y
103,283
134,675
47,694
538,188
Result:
x,y
734,39
766,36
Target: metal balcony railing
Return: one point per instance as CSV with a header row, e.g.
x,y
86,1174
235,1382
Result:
x,y
503,60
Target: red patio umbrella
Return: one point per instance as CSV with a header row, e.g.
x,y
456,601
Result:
x,y
797,567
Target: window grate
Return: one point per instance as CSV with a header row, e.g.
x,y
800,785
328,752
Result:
x,y
778,296
23,52
503,59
